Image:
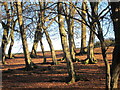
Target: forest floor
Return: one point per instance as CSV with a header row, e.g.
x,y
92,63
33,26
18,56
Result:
x,y
54,76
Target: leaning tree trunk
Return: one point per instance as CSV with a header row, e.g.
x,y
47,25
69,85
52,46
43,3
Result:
x,y
29,64
43,51
51,48
42,18
104,49
11,33
5,32
90,53
64,42
70,25
83,48
11,44
115,69
37,37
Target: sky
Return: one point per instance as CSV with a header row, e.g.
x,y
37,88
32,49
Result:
x,y
17,48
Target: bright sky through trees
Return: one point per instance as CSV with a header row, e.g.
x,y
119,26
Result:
x,y
17,48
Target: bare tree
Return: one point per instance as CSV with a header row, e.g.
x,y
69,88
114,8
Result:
x,y
83,48
65,44
90,51
43,20
38,37
6,28
29,64
70,26
12,31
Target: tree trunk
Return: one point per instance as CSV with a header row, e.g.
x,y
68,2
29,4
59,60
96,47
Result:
x,y
5,32
43,51
11,44
115,69
42,18
90,53
29,64
103,49
71,40
107,65
83,48
11,33
37,37
64,42
70,26
51,48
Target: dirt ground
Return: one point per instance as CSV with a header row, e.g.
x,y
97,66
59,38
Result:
x,y
54,76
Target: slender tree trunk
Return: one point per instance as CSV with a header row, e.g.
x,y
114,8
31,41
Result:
x,y
11,33
11,45
103,49
35,44
107,65
90,53
42,6
64,42
83,48
43,51
5,32
115,69
28,62
71,41
51,48
38,33
70,23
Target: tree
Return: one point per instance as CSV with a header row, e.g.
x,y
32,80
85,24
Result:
x,y
83,48
90,51
70,26
94,25
64,42
6,28
38,37
12,32
29,64
115,68
43,20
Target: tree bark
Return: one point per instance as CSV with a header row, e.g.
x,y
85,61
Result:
x,y
51,48
90,53
83,48
42,18
11,44
5,32
70,26
43,51
64,42
37,37
103,49
115,68
11,33
29,64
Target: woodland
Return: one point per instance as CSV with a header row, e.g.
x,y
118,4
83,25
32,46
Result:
x,y
93,65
